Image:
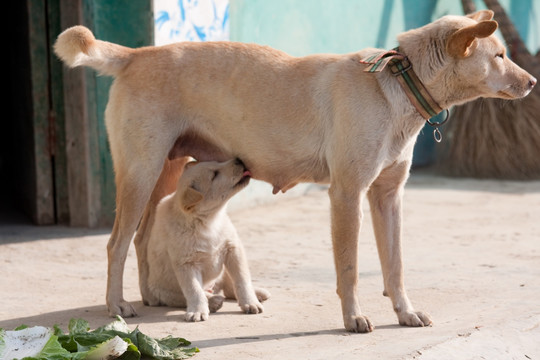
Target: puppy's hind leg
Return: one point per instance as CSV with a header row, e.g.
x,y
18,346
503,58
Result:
x,y
215,302
225,283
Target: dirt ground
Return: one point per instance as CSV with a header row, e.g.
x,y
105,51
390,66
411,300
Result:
x,y
472,260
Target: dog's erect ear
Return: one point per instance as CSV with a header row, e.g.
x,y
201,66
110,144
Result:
x,y
190,198
460,43
482,15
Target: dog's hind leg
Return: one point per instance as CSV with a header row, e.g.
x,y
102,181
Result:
x,y
166,184
385,197
225,284
134,184
215,302
130,205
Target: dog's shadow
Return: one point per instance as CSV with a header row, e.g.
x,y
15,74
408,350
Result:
x,y
98,316
225,341
209,343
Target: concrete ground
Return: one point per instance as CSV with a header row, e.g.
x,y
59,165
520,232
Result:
x,y
472,260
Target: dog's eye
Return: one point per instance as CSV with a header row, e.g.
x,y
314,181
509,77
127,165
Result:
x,y
500,55
216,173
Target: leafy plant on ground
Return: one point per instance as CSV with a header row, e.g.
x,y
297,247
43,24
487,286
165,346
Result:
x,y
112,341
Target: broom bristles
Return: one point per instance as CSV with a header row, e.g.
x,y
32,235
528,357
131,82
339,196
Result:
x,y
492,138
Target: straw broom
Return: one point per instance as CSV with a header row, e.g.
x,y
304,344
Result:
x,y
493,138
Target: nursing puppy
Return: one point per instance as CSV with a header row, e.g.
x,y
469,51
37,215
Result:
x,y
193,244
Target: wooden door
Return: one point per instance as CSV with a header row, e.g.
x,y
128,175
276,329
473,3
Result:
x,y
30,162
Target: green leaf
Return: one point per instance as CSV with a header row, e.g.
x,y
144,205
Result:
x,y
53,350
57,331
110,349
132,353
67,342
117,326
168,348
2,341
113,339
78,326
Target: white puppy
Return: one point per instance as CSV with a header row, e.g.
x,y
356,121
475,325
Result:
x,y
193,247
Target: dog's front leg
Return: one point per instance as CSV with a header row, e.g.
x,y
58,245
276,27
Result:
x,y
237,267
346,218
190,281
385,197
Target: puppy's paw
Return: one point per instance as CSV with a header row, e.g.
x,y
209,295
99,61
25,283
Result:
x,y
358,324
262,294
196,316
253,308
122,308
215,303
414,318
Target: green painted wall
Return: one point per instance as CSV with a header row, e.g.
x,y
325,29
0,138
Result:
x,y
302,27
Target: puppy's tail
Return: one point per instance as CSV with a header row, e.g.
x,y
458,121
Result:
x,y
77,46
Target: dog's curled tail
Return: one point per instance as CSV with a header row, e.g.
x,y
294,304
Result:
x,y
77,46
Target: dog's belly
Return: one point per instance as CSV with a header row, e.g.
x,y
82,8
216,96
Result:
x,y
281,169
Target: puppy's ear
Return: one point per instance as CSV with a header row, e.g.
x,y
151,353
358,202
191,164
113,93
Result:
x,y
462,42
190,198
482,15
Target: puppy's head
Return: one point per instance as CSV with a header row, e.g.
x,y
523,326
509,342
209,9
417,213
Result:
x,y
205,187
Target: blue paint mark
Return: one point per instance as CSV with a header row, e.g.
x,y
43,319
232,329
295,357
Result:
x,y
192,20
161,18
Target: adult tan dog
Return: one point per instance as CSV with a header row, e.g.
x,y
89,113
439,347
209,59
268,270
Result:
x,y
193,245
319,118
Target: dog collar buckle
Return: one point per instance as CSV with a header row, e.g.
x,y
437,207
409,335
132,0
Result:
x,y
406,67
437,135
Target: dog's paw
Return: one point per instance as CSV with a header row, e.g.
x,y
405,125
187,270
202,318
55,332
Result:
x,y
253,308
215,302
122,308
262,294
358,324
414,318
196,316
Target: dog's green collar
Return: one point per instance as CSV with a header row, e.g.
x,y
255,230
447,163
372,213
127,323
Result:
x,y
401,68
